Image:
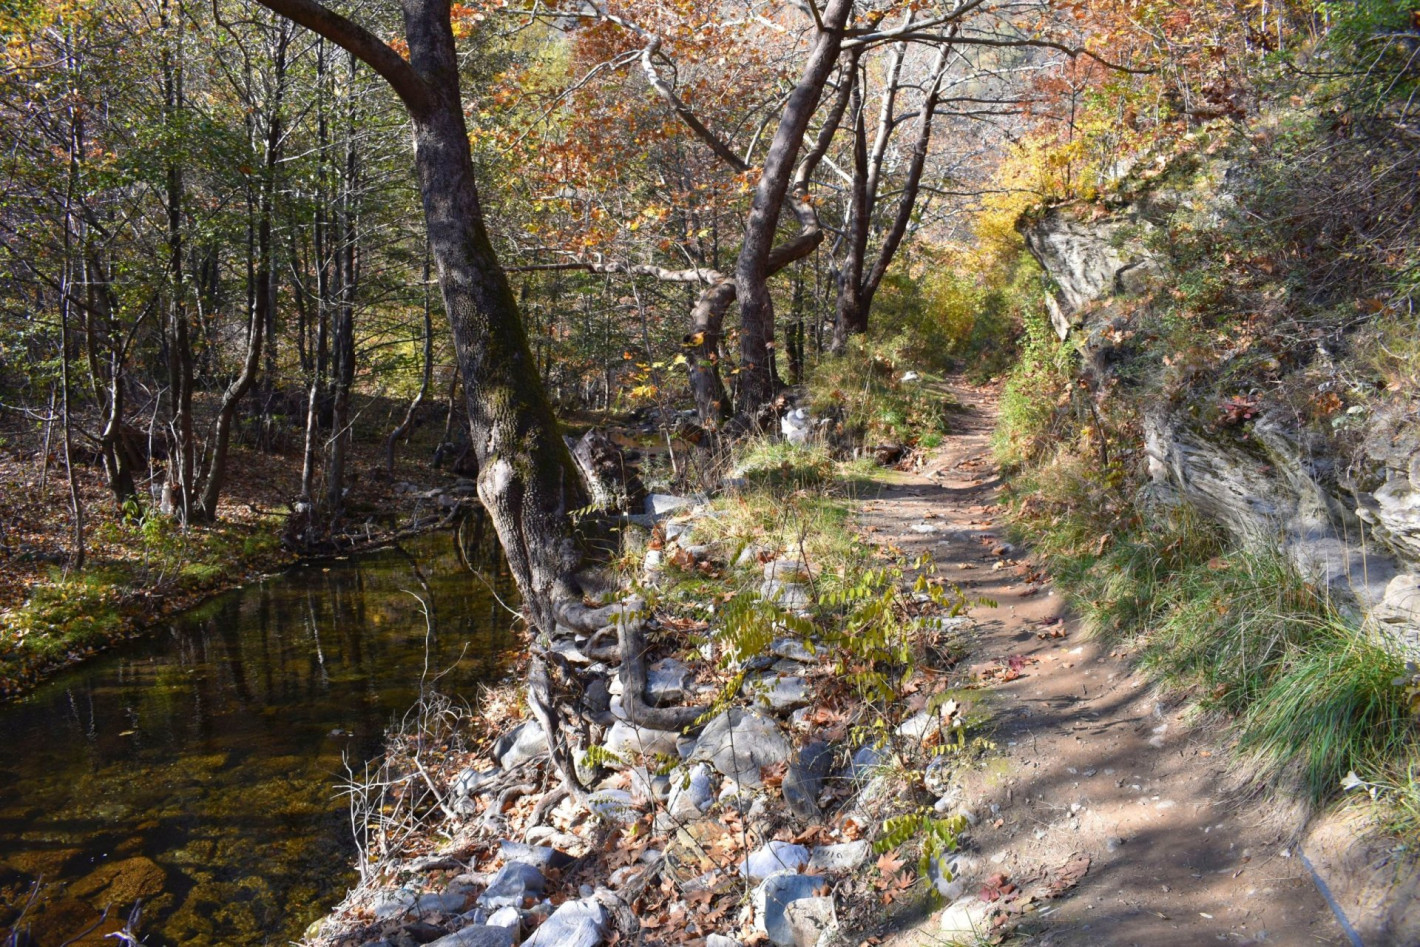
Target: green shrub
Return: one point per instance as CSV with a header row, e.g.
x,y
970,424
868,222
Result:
x,y
1311,695
1036,390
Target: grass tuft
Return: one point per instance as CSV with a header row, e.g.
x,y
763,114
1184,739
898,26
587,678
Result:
x,y
1311,696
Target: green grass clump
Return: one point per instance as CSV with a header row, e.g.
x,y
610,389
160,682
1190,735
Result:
x,y
863,389
779,465
69,614
1330,707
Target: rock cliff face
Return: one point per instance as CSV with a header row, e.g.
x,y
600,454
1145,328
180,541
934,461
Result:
x,y
1088,258
1353,524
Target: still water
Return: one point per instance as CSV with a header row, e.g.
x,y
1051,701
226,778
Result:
x,y
199,768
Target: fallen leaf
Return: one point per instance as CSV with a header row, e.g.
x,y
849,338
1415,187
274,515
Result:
x,y
1068,876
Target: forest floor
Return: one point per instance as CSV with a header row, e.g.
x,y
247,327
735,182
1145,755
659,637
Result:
x,y
1096,776
141,570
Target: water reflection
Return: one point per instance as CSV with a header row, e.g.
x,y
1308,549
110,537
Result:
x,y
197,770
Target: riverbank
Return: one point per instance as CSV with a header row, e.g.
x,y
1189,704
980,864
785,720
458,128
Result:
x,y
900,735
767,730
140,570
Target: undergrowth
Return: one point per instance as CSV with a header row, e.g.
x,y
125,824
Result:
x,y
878,621
1258,646
876,393
74,614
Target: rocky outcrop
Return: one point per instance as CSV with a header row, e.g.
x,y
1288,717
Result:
x,y
1279,491
1089,257
1392,507
1353,526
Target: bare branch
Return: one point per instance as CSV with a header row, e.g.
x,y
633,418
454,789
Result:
x,y
374,52
664,90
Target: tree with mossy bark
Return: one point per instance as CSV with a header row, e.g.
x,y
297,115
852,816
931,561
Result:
x,y
526,477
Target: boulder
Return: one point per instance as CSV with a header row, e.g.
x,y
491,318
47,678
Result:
x,y
739,744
1400,604
804,780
660,504
540,857
402,901
787,595
787,570
666,682
511,918
629,741
865,761
793,649
843,857
772,858
751,554
1087,259
648,787
812,921
952,874
781,693
580,923
692,792
772,897
513,883
523,743
477,935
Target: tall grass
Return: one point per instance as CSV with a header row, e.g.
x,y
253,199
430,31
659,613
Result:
x,y
1310,694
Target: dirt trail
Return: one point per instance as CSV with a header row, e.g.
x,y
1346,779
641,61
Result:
x,y
1093,763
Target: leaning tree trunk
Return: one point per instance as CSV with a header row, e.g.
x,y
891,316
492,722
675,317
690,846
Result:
x,y
526,477
757,381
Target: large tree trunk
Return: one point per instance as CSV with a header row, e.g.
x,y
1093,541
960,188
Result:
x,y
757,381
526,477
851,318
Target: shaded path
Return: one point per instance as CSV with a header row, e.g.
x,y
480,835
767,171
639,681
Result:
x,y
1089,761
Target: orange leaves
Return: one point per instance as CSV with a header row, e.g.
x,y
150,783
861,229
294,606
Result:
x,y
893,882
889,863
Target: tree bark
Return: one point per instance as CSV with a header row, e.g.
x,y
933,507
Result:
x,y
850,317
757,382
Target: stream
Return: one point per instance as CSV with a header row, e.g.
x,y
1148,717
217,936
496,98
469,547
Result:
x,y
199,767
